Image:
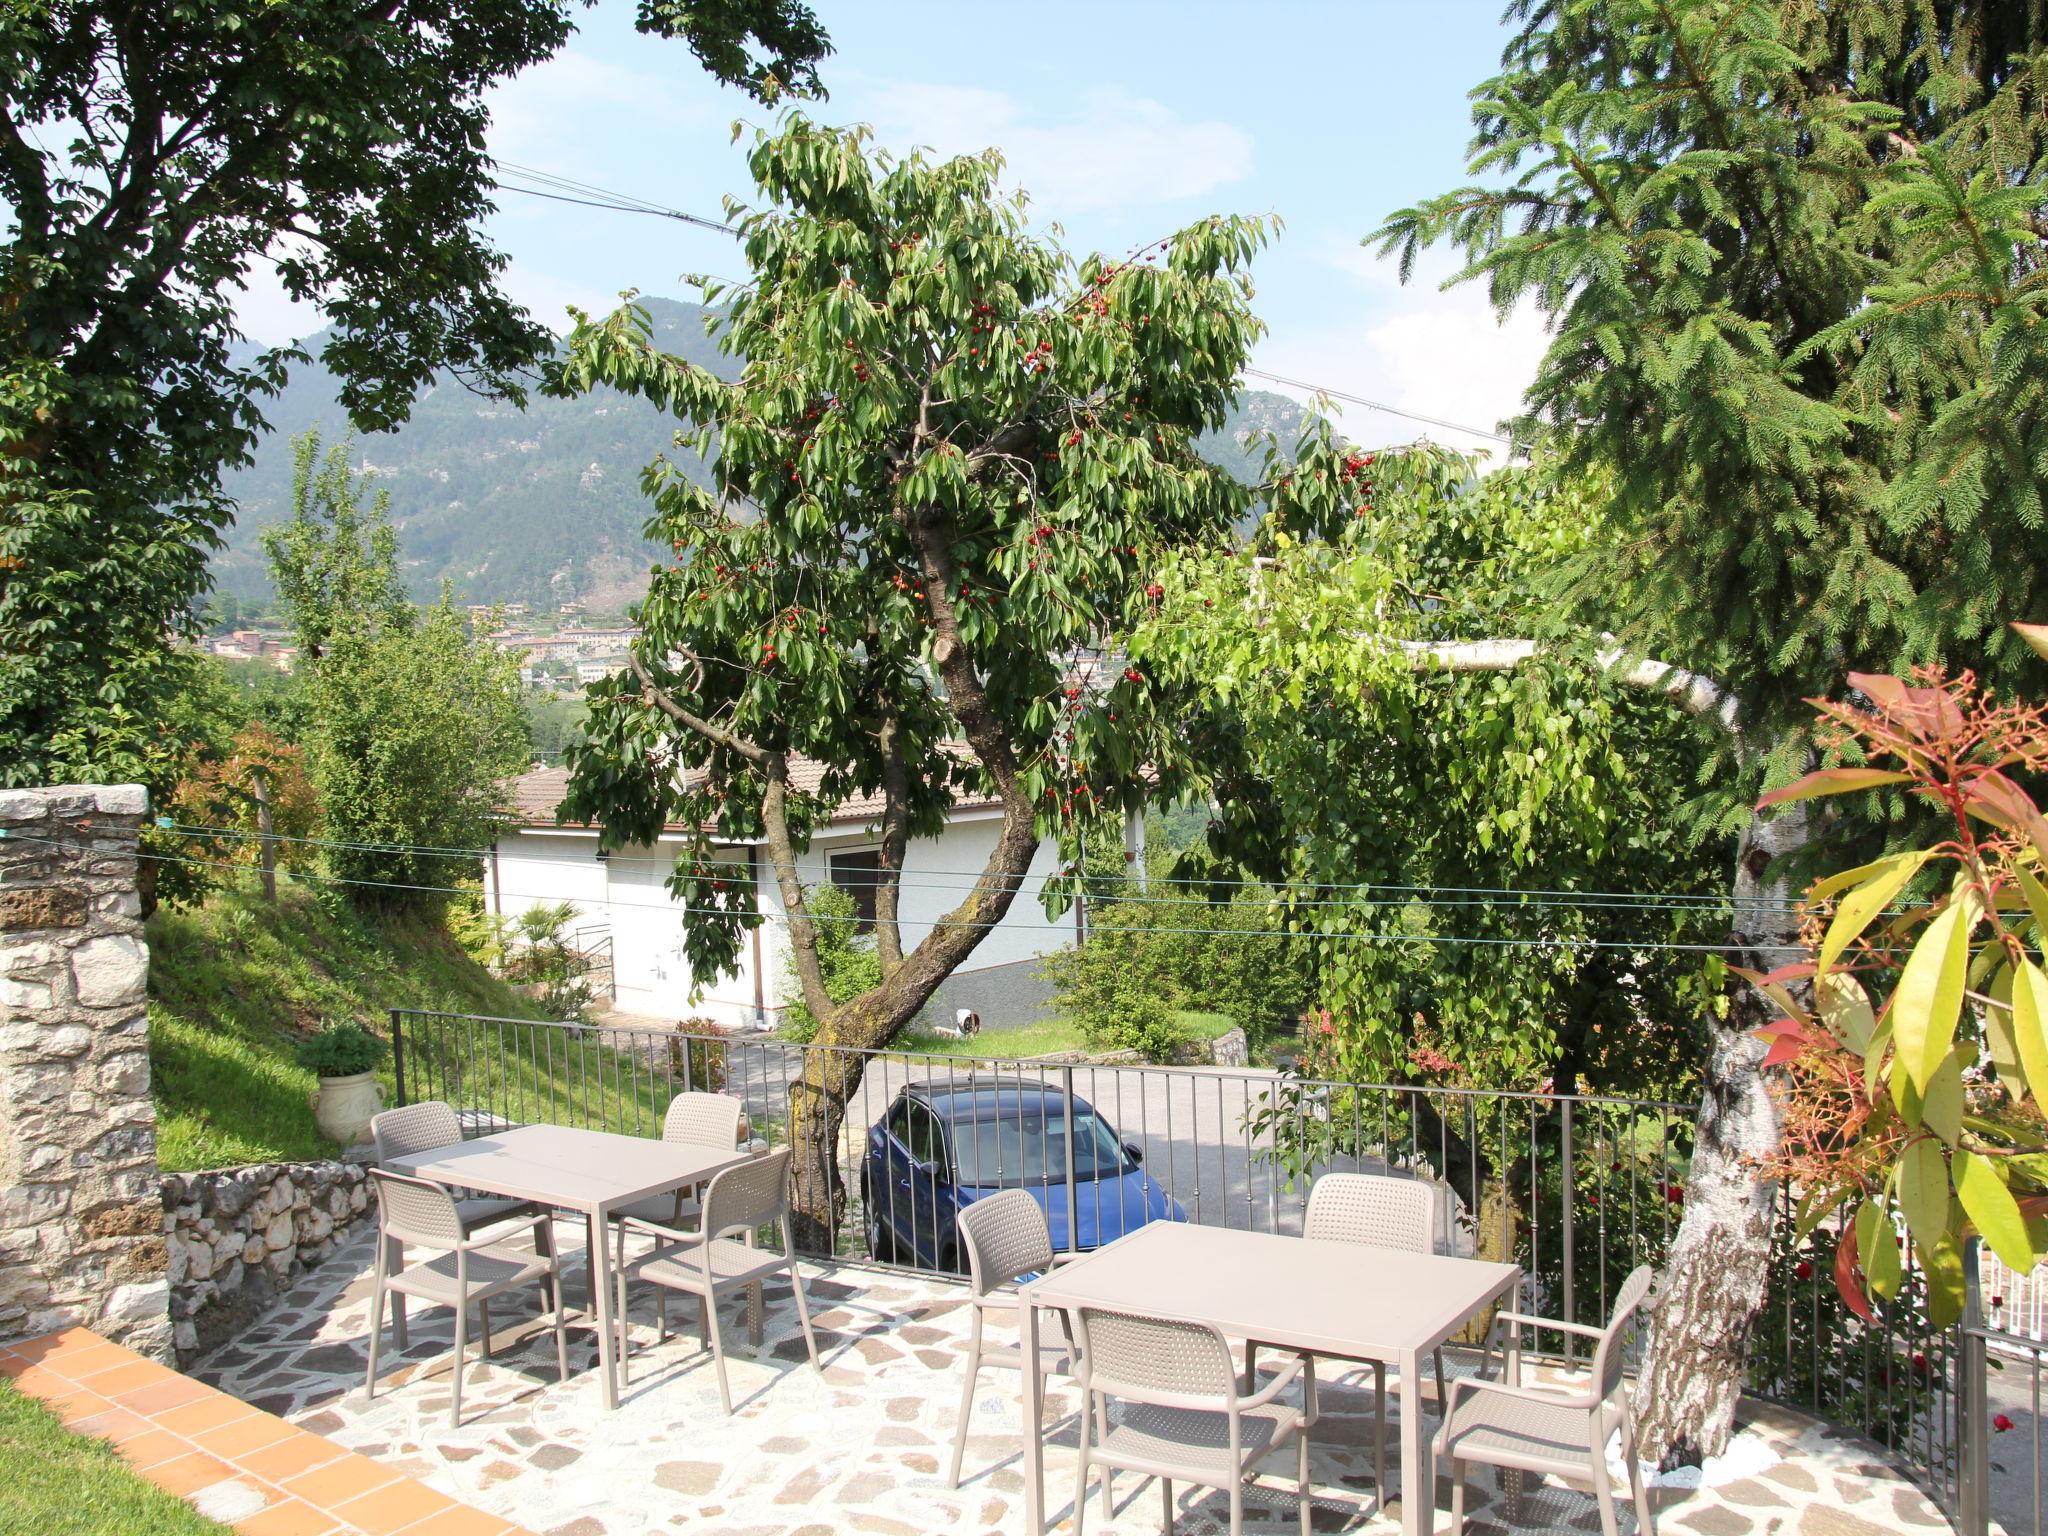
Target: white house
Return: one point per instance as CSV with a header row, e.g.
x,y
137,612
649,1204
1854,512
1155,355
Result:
x,y
536,862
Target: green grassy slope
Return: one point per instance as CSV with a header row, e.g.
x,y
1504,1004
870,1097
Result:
x,y
236,983
53,1481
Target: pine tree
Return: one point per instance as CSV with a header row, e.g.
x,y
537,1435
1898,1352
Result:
x,y
1793,258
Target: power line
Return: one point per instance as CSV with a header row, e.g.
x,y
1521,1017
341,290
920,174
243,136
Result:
x,y
944,879
1048,925
569,190
1377,405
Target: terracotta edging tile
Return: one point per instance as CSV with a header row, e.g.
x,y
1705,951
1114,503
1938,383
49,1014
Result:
x,y
152,1448
234,1441
393,1507
127,1375
288,1517
160,1397
294,1456
349,1478
462,1520
191,1472
193,1420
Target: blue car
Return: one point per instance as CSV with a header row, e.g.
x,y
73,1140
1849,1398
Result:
x,y
944,1145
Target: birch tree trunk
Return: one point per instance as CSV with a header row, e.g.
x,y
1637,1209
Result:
x,y
1713,1283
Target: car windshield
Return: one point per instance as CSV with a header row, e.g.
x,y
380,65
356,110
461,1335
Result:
x,y
1028,1145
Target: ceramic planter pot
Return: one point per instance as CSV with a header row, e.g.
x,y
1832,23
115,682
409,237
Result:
x,y
343,1106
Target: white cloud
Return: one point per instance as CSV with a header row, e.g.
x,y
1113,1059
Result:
x,y
562,114
1111,149
1439,354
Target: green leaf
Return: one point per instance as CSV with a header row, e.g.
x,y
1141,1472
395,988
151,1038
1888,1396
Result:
x,y
1845,1010
1941,1267
2030,1026
1833,781
1855,911
1877,1249
1941,1107
1929,997
1992,1210
1923,1190
2037,899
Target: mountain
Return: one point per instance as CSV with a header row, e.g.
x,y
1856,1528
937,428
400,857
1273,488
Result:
x,y
541,505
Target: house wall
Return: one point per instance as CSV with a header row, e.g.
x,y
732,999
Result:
x,y
625,893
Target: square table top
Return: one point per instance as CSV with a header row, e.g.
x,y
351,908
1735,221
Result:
x,y
1348,1300
563,1166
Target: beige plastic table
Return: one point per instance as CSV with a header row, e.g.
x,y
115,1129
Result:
x,y
590,1172
1343,1300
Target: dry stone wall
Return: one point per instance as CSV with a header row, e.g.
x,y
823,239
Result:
x,y
81,1222
239,1237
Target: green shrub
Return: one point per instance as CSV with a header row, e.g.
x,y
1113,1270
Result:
x,y
1216,960
341,1050
846,957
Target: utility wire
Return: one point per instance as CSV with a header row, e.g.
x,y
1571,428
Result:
x,y
1377,405
568,190
1048,925
944,879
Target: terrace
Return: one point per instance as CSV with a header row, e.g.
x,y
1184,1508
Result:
x,y
863,1447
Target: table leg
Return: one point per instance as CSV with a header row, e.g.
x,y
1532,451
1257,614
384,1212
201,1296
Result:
x,y
1418,1476
1034,1416
601,1297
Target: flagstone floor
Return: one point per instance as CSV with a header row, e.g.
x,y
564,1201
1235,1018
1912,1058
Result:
x,y
863,1445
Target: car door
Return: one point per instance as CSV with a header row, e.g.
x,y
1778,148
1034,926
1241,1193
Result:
x,y
912,1190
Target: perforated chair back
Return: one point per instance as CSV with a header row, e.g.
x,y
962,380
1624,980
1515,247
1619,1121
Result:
x,y
416,1210
1608,1354
1006,1237
414,1128
1375,1208
704,1120
748,1196
1156,1360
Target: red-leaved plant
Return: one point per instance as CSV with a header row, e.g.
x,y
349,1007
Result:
x,y
1913,1037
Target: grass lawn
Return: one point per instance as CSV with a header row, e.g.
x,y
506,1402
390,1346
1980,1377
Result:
x,y
236,983
1043,1038
54,1481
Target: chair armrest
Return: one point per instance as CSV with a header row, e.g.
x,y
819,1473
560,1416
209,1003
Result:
x,y
1066,1258
656,1229
1584,1330
1477,1384
1271,1389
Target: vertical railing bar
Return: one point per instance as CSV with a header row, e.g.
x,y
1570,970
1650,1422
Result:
x,y
1568,1221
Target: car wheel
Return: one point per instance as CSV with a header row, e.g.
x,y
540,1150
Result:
x,y
881,1243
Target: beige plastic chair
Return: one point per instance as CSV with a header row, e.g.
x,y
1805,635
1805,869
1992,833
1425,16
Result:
x,y
1006,1238
708,1263
427,1127
1380,1211
1505,1424
1186,1417
467,1269
696,1120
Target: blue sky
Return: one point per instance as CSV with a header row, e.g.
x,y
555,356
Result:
x,y
1123,120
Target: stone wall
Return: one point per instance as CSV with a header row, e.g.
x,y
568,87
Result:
x,y
239,1237
81,1223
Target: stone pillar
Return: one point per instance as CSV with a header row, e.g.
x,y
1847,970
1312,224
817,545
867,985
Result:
x,y
81,1215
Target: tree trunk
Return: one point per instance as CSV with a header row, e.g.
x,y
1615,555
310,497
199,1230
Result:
x,y
266,830
1713,1282
835,1062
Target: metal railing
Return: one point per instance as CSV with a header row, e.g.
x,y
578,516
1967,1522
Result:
x,y
2003,1345
1578,1190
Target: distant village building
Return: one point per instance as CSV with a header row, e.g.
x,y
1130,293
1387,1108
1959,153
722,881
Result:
x,y
588,672
535,862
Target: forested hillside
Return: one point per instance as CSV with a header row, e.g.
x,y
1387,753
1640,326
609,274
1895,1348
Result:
x,y
540,505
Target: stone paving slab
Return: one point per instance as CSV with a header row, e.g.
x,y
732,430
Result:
x,y
862,1446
